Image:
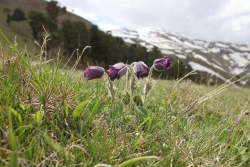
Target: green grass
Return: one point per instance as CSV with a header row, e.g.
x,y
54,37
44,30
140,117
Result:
x,y
55,117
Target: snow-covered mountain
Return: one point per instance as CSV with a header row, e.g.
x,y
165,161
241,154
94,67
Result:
x,y
219,59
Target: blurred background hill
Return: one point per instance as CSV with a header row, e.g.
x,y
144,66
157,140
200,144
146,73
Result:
x,y
22,21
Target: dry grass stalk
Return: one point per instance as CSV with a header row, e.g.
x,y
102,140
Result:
x,y
79,57
237,122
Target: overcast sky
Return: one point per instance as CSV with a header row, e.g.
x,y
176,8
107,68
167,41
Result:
x,y
221,20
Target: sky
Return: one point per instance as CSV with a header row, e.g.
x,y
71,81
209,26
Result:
x,y
213,20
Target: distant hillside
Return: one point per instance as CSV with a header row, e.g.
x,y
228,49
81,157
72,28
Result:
x,y
39,5
219,59
24,38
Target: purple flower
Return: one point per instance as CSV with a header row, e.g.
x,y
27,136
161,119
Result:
x,y
141,69
163,64
93,72
116,71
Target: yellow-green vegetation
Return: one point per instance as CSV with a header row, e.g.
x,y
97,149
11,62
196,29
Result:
x,y
52,117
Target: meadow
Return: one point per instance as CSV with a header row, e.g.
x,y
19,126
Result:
x,y
51,116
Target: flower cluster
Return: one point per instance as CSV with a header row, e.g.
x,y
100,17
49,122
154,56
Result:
x,y
135,70
116,71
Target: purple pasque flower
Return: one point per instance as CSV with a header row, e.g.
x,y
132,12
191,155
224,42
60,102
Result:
x,y
163,64
141,69
93,72
117,70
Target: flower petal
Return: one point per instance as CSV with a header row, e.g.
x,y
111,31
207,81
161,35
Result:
x,y
116,71
119,65
141,69
162,64
123,71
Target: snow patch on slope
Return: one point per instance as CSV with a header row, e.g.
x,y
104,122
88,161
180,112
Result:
x,y
197,56
215,50
190,45
175,39
238,58
218,67
199,67
128,40
221,45
181,56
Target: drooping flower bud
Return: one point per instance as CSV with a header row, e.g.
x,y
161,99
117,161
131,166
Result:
x,y
141,69
163,64
93,72
116,71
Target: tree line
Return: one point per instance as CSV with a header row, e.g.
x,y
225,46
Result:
x,y
71,35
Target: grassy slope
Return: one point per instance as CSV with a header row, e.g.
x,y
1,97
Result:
x,y
25,36
40,125
208,135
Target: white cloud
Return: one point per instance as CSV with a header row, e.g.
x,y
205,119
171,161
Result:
x,y
235,7
221,20
89,16
237,24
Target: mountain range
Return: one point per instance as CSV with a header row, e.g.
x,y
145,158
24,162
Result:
x,y
218,59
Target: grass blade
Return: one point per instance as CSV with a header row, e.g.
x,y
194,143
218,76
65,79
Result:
x,y
54,145
136,160
103,165
16,114
66,108
38,116
95,109
141,111
78,110
13,143
13,159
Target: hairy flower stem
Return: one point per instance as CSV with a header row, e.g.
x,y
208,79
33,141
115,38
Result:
x,y
145,93
111,90
132,88
128,76
150,72
132,85
148,85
